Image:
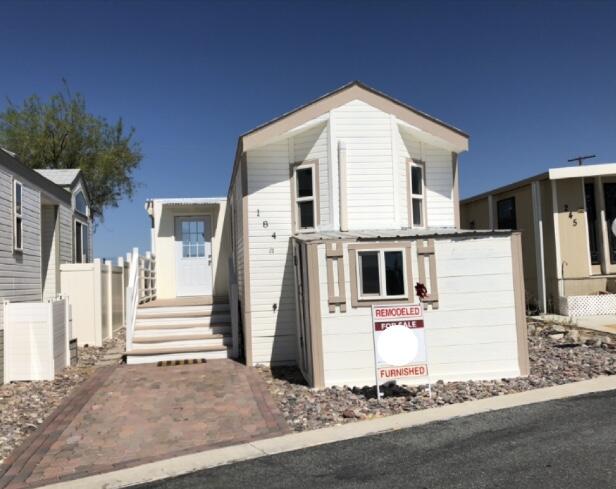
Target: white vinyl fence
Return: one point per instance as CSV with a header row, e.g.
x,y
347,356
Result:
x,y
36,336
96,292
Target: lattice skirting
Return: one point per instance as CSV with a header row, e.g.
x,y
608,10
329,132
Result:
x,y
588,305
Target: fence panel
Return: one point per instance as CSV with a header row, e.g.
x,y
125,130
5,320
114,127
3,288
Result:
x,y
35,345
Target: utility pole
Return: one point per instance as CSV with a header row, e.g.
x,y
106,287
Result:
x,y
580,159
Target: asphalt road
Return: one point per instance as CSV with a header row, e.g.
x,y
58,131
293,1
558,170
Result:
x,y
560,444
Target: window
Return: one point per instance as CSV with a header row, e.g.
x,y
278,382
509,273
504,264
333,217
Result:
x,y
17,216
381,274
417,194
505,211
193,238
591,218
81,242
306,204
81,204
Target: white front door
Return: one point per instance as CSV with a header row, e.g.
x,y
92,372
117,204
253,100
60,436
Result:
x,y
193,256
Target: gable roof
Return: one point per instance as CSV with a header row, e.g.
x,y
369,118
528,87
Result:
x,y
64,178
9,160
355,90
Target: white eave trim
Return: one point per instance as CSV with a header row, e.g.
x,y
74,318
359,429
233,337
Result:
x,y
582,171
191,201
428,138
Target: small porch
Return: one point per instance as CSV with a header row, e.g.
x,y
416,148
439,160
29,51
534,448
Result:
x,y
176,328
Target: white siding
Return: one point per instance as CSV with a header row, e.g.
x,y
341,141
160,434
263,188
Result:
x,y
66,234
310,145
472,335
20,273
367,134
49,253
439,179
271,268
238,231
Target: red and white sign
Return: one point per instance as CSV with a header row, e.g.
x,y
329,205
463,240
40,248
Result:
x,y
399,342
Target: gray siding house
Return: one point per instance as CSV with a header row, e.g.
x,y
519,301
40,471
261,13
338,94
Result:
x,y
44,222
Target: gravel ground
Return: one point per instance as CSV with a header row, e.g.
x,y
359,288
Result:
x,y
25,405
556,357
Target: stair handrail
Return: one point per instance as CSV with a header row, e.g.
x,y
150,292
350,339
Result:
x,y
132,297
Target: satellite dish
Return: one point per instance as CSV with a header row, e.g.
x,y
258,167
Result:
x,y
614,227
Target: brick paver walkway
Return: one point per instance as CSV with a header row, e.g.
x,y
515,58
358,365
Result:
x,y
130,415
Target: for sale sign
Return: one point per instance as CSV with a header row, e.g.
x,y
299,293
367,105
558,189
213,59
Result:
x,y
399,342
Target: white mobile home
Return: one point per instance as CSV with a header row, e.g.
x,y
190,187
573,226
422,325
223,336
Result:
x,y
37,233
352,200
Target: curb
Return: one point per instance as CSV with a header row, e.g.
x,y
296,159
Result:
x,y
222,456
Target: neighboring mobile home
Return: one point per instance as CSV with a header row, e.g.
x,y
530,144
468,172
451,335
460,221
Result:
x,y
349,201
38,232
567,218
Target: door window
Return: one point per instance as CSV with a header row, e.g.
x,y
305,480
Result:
x,y
610,216
193,238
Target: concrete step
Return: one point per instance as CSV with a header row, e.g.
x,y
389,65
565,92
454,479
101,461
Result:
x,y
171,311
180,325
172,321
140,356
181,330
181,341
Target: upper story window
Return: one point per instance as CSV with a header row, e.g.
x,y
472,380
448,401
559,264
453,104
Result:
x,y
81,204
306,196
381,274
505,213
17,216
417,190
81,242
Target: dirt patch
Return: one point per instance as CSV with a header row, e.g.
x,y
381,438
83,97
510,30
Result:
x,y
25,405
556,357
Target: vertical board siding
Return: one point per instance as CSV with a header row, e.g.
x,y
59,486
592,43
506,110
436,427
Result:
x,y
310,145
238,231
471,336
439,179
367,134
271,267
20,272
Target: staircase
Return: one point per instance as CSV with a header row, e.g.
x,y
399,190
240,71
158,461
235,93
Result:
x,y
175,330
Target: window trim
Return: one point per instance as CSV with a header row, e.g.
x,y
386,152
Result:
x,y
382,275
515,213
78,191
413,162
315,198
85,228
18,217
359,301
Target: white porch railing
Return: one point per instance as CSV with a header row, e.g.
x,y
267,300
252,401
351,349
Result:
x,y
141,288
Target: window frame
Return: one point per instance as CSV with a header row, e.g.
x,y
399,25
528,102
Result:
x,y
18,217
382,274
515,213
416,163
313,165
84,230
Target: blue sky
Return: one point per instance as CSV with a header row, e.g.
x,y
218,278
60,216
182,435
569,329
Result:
x,y
533,83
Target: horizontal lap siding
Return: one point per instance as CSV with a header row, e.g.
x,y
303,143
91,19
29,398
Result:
x,y
472,335
310,145
367,134
20,273
439,179
271,266
66,234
